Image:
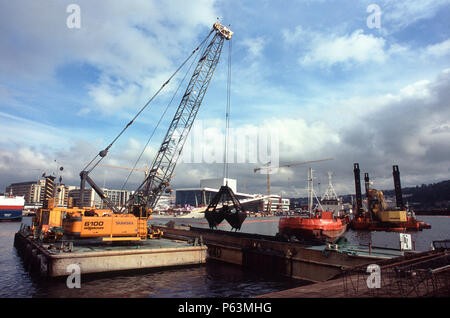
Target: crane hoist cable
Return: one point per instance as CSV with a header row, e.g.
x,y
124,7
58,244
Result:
x,y
225,205
227,114
104,152
161,118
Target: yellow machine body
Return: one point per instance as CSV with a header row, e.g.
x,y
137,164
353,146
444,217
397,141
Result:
x,y
54,222
379,209
392,216
105,224
46,219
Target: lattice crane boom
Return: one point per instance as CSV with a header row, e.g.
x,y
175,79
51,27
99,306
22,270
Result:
x,y
167,156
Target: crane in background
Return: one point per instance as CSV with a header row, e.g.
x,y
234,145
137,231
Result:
x,y
268,167
145,171
125,168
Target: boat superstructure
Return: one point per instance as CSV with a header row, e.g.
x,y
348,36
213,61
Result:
x,y
320,224
330,200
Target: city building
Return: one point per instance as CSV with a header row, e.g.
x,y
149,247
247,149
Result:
x,y
32,191
62,195
218,182
165,202
196,197
278,204
203,195
118,197
91,198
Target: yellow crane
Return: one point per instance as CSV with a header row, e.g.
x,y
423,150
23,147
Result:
x,y
268,167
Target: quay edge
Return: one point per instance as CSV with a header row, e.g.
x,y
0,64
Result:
x,y
289,259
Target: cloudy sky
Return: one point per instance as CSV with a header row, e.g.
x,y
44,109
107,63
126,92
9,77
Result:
x,y
326,78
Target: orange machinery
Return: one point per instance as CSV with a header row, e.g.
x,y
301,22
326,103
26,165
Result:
x,y
110,226
52,222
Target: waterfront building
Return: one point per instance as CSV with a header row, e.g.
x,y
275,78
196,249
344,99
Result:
x,y
62,195
202,196
91,198
118,197
32,191
278,204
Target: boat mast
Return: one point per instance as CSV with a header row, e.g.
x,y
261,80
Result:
x,y
311,193
330,193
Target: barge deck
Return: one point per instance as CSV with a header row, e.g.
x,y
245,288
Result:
x,y
49,260
314,263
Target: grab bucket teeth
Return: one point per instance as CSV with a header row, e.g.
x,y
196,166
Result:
x,y
236,219
214,218
231,210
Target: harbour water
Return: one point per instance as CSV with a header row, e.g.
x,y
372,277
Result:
x,y
212,279
440,229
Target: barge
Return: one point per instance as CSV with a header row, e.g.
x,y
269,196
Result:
x,y
53,259
314,263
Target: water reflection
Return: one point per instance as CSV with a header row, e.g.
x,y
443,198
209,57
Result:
x,y
213,279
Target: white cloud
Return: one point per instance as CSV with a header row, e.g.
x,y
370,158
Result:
x,y
254,46
18,130
439,49
327,48
356,47
400,14
127,42
293,37
408,127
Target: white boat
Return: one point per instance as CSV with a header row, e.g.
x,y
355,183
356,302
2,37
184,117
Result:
x,y
11,207
330,201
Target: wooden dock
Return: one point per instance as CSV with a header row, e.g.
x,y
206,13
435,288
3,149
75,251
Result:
x,y
290,259
422,275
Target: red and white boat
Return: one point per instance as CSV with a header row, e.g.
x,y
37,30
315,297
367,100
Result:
x,y
320,225
11,207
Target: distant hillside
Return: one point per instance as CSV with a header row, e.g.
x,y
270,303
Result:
x,y
427,197
431,197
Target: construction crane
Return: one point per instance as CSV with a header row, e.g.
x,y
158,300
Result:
x,y
120,167
145,171
268,167
164,163
130,222
125,168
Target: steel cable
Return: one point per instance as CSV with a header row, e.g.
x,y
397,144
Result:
x,y
227,115
160,119
103,153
